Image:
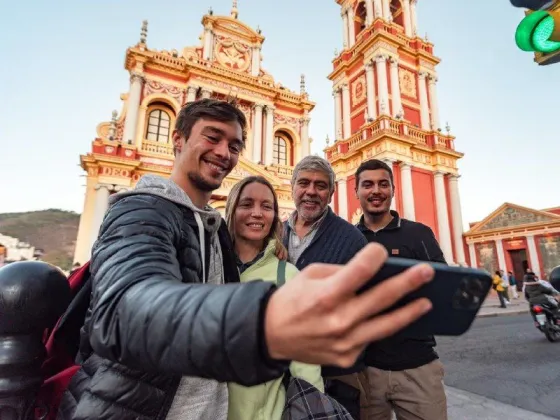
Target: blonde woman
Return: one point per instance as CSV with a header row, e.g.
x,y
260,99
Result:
x,y
253,221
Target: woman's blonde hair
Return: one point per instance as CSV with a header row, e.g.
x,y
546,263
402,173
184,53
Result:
x,y
233,201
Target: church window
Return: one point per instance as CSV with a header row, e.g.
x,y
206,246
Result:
x,y
159,126
280,150
360,18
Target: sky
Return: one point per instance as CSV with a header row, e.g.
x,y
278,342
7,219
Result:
x,y
62,74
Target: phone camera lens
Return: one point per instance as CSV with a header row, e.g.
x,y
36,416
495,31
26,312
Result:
x,y
469,294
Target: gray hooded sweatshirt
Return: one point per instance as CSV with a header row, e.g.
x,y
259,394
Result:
x,y
196,398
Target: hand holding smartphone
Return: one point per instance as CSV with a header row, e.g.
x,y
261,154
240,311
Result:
x,y
456,293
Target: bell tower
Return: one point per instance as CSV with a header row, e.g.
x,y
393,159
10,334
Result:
x,y
385,101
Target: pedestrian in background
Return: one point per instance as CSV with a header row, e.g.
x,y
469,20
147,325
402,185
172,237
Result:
x,y
497,284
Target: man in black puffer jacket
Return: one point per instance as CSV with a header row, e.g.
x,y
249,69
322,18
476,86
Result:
x,y
169,323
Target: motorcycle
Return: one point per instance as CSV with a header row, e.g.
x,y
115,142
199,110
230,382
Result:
x,y
547,320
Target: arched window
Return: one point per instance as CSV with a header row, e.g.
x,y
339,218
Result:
x,y
159,125
360,18
280,150
397,12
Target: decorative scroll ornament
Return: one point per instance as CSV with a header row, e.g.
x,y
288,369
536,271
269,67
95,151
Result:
x,y
295,123
407,83
233,54
359,90
152,86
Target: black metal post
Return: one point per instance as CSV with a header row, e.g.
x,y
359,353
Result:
x,y
33,295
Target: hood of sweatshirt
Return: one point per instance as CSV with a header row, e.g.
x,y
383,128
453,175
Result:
x,y
207,219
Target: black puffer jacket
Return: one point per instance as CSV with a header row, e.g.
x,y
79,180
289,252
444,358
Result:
x,y
149,323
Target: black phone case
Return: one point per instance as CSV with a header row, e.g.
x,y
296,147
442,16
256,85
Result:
x,y
456,293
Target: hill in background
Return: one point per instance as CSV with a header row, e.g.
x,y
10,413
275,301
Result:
x,y
53,231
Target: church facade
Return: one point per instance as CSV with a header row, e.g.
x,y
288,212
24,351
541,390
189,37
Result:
x,y
385,106
137,140
515,238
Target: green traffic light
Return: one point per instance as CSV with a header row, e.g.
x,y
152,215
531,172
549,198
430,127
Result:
x,y
534,31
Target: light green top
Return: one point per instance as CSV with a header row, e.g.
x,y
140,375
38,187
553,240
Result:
x,y
266,401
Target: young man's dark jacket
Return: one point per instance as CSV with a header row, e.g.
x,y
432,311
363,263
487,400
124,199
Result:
x,y
151,322
403,239
335,242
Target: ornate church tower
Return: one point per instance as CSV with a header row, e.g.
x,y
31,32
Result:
x,y
384,89
226,64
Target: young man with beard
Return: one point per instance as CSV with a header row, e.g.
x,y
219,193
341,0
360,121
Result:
x,y
315,234
404,373
163,333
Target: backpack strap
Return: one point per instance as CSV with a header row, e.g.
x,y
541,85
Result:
x,y
281,273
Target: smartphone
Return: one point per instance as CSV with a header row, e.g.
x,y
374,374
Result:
x,y
456,293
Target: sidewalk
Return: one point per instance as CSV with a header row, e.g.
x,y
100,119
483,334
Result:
x,y
491,307
463,405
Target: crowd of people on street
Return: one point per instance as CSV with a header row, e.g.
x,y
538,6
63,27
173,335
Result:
x,y
195,316
506,287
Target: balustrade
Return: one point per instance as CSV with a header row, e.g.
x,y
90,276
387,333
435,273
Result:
x,y
384,125
157,147
282,170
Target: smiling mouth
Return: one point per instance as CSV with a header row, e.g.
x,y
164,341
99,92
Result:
x,y
376,201
310,203
220,168
257,226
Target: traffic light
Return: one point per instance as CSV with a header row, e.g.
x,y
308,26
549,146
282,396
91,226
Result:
x,y
539,31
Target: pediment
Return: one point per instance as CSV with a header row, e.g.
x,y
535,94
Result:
x,y
244,169
511,216
235,27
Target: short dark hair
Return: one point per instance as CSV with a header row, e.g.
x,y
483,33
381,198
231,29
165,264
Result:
x,y
373,165
211,109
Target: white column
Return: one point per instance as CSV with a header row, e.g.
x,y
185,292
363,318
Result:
x,y
406,17
298,151
257,133
351,28
424,111
434,102
472,254
386,5
133,103
342,199
533,255
346,111
269,142
377,9
443,218
389,162
337,113
395,87
101,204
501,255
382,88
256,61
369,12
407,192
345,32
370,86
207,43
457,219
191,93
206,93
305,149
413,18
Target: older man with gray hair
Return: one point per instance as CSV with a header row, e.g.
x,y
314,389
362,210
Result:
x,y
315,234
